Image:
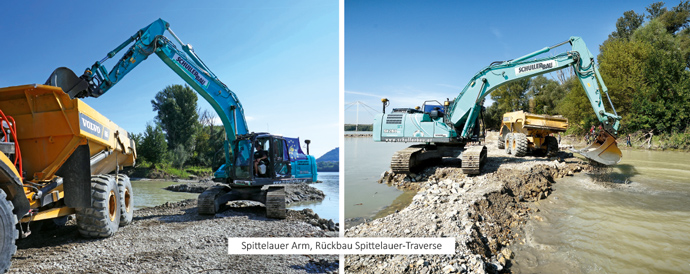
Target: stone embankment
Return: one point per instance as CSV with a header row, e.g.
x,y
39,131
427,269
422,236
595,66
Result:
x,y
483,213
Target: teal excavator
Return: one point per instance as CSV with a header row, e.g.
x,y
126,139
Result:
x,y
453,128
254,162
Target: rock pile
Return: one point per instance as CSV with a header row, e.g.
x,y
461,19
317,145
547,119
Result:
x,y
483,213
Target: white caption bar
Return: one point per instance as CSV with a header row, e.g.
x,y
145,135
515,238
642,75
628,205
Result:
x,y
341,246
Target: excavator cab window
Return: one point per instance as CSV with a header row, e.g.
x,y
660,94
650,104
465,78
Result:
x,y
262,157
281,158
243,160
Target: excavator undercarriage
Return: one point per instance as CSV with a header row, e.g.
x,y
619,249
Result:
x,y
215,198
416,157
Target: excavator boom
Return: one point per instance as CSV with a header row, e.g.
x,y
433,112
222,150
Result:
x,y
97,80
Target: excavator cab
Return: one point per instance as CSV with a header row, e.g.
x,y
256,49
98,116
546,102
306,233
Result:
x,y
260,159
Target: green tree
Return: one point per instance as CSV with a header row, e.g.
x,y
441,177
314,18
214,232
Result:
x,y
177,114
546,95
626,25
493,117
622,69
179,156
677,18
208,143
647,74
512,96
153,146
663,104
655,10
137,138
576,106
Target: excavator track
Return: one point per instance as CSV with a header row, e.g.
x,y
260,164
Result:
x,y
404,161
275,202
208,203
473,159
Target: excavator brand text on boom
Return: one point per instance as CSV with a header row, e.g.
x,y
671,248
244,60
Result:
x,y
542,66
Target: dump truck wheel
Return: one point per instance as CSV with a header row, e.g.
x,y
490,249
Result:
x,y
501,143
124,189
551,146
8,232
102,219
508,143
520,144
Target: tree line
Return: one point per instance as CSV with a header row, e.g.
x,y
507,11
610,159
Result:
x,y
645,63
359,127
180,133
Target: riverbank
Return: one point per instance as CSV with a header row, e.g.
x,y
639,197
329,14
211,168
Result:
x,y
483,213
359,134
173,238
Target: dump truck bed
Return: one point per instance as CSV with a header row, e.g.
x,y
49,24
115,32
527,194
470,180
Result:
x,y
537,121
51,125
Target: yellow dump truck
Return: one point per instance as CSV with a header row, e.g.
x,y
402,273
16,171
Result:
x,y
56,155
523,133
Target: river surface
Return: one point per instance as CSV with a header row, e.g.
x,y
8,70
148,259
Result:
x,y
365,161
642,226
152,193
329,208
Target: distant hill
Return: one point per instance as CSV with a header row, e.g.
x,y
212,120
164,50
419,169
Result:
x,y
329,162
331,156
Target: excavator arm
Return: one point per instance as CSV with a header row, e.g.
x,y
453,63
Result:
x,y
465,108
467,105
97,80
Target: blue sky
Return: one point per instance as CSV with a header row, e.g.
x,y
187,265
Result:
x,y
411,51
279,57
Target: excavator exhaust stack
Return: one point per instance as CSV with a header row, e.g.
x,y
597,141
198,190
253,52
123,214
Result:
x,y
604,150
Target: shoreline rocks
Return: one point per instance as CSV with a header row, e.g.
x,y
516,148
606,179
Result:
x,y
484,213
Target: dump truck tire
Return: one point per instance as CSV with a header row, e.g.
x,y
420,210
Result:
x,y
501,143
551,146
8,232
508,143
124,189
520,140
102,219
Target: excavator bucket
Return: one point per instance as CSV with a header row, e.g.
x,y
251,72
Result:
x,y
68,81
604,151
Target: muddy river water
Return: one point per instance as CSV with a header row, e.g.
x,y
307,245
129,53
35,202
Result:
x,y
641,225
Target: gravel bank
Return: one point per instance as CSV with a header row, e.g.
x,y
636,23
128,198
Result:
x,y
483,213
173,238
